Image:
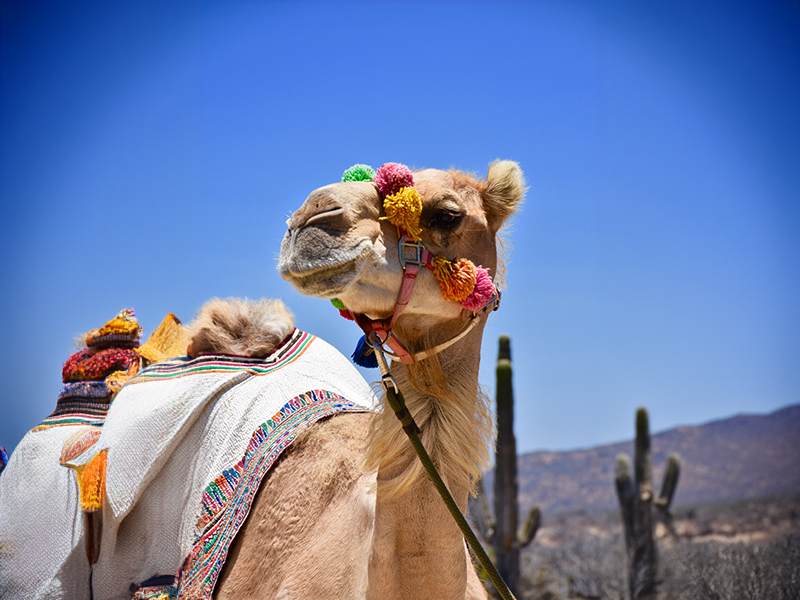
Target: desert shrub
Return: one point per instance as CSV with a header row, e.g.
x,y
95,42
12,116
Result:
x,y
584,566
738,571
581,554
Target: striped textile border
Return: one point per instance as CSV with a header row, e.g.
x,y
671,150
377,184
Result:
x,y
225,510
291,350
72,419
76,411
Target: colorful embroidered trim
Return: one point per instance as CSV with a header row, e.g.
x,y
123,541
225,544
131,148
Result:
x,y
78,443
227,500
3,458
181,367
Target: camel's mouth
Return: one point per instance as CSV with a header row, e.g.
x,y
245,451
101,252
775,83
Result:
x,y
326,275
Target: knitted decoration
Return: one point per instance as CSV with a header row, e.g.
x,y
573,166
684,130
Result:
x,y
93,482
359,173
364,355
3,458
403,209
122,330
93,365
456,279
483,292
392,177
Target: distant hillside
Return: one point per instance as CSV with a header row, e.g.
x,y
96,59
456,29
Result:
x,y
744,456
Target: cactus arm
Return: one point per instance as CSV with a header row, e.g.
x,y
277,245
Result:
x,y
531,527
626,495
623,479
670,482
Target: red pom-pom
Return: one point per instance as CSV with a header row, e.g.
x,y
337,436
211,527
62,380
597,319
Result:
x,y
392,177
346,314
483,292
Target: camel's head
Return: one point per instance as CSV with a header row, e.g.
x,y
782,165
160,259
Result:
x,y
340,245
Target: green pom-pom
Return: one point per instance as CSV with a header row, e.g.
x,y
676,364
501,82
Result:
x,y
338,304
359,173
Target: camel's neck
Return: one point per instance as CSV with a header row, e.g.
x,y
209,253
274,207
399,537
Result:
x,y
418,550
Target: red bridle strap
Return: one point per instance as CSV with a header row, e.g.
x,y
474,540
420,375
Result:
x,y
411,266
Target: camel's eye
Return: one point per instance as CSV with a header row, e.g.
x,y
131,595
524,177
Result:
x,y
445,218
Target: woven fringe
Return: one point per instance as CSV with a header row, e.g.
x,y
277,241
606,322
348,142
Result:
x,y
93,482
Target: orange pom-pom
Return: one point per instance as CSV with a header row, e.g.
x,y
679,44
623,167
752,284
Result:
x,y
456,279
93,482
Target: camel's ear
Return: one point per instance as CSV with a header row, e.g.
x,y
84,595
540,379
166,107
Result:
x,y
505,188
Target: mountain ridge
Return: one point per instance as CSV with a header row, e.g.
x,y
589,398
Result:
x,y
743,456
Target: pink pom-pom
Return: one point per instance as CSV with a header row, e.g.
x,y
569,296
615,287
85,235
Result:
x,y
392,177
484,291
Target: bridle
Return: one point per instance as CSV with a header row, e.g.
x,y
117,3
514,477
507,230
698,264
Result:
x,y
379,331
413,256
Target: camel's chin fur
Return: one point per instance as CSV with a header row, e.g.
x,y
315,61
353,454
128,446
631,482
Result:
x,y
242,327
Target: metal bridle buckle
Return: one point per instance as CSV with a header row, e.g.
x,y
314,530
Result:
x,y
387,380
401,253
497,302
373,338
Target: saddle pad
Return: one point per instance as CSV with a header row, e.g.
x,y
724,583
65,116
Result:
x,y
188,442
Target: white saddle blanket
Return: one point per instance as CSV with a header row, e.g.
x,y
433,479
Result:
x,y
179,434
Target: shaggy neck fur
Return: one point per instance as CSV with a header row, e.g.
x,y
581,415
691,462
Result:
x,y
443,396
417,545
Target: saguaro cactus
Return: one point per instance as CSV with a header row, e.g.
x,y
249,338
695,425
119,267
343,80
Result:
x,y
637,503
502,532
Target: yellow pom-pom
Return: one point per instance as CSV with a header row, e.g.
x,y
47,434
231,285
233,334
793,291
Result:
x,y
456,279
93,482
403,209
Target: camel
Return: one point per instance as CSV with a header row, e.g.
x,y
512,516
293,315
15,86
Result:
x,y
346,511
402,544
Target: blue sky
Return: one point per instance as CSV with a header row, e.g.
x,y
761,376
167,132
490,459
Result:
x,y
151,152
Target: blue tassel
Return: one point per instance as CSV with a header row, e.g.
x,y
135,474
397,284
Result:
x,y
364,356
